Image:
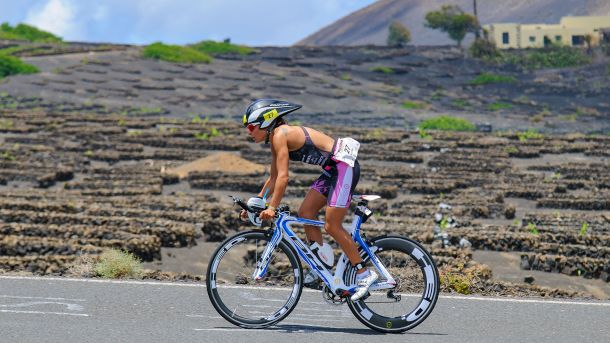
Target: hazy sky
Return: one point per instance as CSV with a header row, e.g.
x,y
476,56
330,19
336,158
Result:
x,y
252,22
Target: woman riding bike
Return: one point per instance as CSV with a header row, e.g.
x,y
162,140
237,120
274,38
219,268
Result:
x,y
340,174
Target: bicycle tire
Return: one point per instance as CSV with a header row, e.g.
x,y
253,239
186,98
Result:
x,y
416,275
236,294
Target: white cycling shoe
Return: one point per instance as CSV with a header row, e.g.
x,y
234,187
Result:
x,y
364,284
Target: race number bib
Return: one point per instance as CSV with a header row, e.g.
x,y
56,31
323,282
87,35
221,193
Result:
x,y
346,150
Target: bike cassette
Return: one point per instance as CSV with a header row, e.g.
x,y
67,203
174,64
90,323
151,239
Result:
x,y
331,297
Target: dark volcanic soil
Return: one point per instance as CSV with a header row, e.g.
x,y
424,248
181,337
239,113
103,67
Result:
x,y
333,83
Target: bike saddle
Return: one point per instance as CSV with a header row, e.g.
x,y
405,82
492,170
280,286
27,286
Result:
x,y
360,197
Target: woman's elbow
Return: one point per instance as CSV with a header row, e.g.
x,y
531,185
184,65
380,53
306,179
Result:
x,y
282,178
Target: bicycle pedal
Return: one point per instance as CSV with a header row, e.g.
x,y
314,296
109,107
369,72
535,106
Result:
x,y
317,285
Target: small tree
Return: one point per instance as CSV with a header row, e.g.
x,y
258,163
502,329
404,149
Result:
x,y
484,47
451,19
588,41
399,35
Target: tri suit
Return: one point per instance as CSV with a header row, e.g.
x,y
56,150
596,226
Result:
x,y
338,179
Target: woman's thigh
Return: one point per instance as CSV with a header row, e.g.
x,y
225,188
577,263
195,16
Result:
x,y
312,204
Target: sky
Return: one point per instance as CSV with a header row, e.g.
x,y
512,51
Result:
x,y
250,22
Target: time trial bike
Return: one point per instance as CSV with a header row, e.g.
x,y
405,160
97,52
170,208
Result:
x,y
255,278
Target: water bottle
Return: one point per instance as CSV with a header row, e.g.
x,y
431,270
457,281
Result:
x,y
324,253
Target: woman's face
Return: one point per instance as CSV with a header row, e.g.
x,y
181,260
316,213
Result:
x,y
256,133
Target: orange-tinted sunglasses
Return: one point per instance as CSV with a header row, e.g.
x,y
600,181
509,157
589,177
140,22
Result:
x,y
251,127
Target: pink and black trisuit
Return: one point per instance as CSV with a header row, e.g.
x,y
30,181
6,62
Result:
x,y
338,179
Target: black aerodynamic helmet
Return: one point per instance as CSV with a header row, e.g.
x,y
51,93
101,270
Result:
x,y
266,111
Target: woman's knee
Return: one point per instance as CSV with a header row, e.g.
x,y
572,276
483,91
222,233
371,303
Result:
x,y
332,229
307,214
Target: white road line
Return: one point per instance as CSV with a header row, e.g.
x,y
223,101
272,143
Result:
x,y
41,312
130,282
175,284
40,298
536,301
71,307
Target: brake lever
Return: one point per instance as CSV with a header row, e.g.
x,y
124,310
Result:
x,y
241,204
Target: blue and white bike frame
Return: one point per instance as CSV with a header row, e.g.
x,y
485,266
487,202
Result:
x,y
335,282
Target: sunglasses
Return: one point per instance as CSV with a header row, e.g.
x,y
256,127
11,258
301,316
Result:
x,y
251,127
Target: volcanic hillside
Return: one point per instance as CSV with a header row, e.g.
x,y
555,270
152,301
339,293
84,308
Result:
x,y
360,86
370,24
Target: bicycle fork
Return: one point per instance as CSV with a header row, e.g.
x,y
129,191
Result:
x,y
262,263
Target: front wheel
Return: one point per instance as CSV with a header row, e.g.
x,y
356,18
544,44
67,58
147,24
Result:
x,y
244,301
417,286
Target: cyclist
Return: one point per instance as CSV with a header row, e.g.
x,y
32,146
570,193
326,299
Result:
x,y
340,174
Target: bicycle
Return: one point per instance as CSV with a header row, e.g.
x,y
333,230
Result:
x,y
270,284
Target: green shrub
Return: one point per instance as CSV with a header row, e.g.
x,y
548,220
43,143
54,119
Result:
x,y
460,103
557,57
496,106
583,229
487,78
414,105
214,132
7,155
382,69
457,282
447,123
10,65
424,135
398,35
197,120
27,32
511,150
6,124
203,136
529,134
553,57
483,48
217,48
375,134
175,53
116,264
13,50
345,77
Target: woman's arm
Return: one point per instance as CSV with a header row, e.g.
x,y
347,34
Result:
x,y
270,183
279,166
266,187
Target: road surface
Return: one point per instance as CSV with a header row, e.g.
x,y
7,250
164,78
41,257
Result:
x,y
40,309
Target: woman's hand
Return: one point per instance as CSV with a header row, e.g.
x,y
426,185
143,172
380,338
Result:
x,y
267,214
243,215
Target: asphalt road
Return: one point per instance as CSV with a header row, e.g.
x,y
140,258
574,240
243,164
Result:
x,y
78,310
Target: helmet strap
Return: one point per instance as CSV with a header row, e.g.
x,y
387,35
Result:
x,y
269,129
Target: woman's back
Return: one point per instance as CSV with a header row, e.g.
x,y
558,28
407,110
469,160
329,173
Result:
x,y
307,145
